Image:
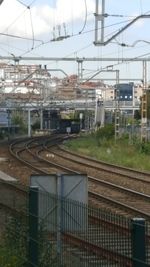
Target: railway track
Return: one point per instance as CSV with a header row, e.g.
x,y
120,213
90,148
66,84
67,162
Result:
x,y
104,166
44,157
108,187
28,152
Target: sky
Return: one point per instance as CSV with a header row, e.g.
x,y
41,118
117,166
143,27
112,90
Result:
x,y
32,28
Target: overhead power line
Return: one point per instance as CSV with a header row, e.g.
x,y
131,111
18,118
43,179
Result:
x,y
132,45
21,3
85,20
20,37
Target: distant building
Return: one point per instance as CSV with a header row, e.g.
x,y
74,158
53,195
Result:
x,y
22,82
124,91
85,92
138,90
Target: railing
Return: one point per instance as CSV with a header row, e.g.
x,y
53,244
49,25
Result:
x,y
71,104
58,232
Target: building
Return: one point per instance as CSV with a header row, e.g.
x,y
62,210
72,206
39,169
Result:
x,y
124,91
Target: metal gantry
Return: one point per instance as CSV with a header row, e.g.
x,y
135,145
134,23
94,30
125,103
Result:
x,y
101,107
80,62
144,105
100,17
117,110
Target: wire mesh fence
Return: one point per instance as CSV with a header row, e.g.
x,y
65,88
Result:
x,y
51,231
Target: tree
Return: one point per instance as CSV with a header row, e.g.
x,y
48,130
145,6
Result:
x,y
17,120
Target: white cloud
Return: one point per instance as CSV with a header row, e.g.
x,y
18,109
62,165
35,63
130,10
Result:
x,y
15,18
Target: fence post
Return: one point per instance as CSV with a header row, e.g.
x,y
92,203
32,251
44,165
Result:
x,y
33,227
60,190
138,242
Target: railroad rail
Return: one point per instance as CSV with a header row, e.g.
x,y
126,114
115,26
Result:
x,y
42,156
111,186
108,183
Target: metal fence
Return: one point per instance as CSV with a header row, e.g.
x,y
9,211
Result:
x,y
57,232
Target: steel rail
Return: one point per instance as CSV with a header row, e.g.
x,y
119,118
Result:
x,y
118,203
112,166
90,177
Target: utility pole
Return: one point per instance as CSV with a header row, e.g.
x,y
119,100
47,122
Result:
x,y
144,105
99,19
29,122
117,110
80,69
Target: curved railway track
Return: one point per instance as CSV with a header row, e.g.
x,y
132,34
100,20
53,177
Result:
x,y
123,190
104,166
43,156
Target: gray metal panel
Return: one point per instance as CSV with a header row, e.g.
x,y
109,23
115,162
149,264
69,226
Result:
x,y
75,187
72,186
46,183
55,211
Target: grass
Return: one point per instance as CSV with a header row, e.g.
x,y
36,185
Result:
x,y
9,258
122,152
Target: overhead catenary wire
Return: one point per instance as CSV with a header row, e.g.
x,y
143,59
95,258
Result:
x,y
132,45
85,20
75,52
83,32
114,65
49,41
20,37
76,34
27,7
21,3
25,4
32,29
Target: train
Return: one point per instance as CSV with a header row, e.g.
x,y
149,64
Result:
x,y
69,126
52,120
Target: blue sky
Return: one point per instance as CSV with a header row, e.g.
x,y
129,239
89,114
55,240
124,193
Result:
x,y
47,19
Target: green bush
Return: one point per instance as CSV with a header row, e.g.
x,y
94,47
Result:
x,y
17,119
13,247
145,148
105,133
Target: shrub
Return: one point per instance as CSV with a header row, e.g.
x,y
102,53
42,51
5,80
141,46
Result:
x,y
105,133
145,148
